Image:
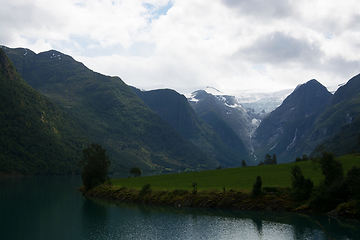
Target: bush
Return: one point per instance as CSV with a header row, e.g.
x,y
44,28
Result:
x,y
180,192
327,198
146,189
321,201
256,191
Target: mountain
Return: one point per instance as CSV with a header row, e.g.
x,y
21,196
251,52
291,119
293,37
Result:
x,y
110,113
285,131
337,129
347,91
175,109
36,136
227,117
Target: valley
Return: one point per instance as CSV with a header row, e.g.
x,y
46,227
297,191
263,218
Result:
x,y
163,131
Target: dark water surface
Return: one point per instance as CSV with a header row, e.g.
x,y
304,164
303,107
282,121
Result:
x,y
52,208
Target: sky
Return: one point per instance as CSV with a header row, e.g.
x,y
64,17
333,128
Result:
x,y
186,45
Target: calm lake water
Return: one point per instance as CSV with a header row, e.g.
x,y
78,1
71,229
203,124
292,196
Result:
x,y
51,208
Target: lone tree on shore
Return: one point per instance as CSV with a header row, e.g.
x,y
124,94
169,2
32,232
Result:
x,y
135,171
95,165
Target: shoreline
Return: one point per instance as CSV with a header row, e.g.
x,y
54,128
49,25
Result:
x,y
236,200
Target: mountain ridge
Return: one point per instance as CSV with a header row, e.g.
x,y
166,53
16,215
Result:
x,y
152,133
111,113
283,130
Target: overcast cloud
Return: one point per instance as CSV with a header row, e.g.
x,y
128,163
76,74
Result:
x,y
232,45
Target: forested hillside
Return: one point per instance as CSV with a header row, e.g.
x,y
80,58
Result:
x,y
36,136
110,113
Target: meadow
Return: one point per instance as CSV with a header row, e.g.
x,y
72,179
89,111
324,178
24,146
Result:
x,y
242,178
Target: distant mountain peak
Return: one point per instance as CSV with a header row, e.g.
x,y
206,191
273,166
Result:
x,y
311,82
213,90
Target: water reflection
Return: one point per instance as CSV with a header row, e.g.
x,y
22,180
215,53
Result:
x,y
95,219
51,208
154,222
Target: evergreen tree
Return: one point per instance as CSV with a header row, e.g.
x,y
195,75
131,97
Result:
x,y
243,163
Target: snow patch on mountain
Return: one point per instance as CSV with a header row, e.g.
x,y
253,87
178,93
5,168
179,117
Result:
x,y
262,102
213,91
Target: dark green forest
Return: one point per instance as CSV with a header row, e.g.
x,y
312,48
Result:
x,y
36,136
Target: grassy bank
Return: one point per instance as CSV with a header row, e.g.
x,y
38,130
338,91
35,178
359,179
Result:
x,y
224,188
233,178
279,200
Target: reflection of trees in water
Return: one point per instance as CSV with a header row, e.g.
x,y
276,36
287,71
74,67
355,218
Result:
x,y
145,210
302,225
259,225
95,215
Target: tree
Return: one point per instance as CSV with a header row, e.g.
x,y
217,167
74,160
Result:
x,y
268,160
95,165
352,180
274,160
261,163
302,187
243,163
135,171
256,191
331,168
304,158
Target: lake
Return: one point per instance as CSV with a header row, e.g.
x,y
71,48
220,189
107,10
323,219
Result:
x,y
52,208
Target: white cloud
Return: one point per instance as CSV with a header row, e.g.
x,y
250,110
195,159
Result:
x,y
188,44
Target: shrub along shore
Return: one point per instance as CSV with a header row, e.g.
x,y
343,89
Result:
x,y
234,189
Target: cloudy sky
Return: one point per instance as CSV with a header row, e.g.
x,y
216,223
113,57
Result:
x,y
232,45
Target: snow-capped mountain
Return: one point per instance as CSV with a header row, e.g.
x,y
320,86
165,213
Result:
x,y
254,101
225,114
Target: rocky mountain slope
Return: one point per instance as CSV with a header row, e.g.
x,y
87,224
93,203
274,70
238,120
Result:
x,y
308,117
286,129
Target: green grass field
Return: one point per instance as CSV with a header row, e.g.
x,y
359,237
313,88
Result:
x,y
233,178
